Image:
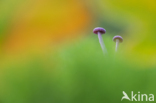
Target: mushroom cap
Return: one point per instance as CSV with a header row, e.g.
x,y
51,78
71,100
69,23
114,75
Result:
x,y
99,29
118,37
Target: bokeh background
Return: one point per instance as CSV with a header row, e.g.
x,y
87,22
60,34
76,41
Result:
x,y
48,53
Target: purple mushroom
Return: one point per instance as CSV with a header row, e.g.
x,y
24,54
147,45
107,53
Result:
x,y
118,39
99,31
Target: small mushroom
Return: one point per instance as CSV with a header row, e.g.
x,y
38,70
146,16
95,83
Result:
x,y
118,39
99,31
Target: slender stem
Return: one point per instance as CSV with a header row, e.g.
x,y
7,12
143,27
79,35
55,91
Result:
x,y
117,44
101,42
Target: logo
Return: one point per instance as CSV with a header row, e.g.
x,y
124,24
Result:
x,y
138,97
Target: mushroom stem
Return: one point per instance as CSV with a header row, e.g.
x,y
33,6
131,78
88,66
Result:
x,y
101,42
117,44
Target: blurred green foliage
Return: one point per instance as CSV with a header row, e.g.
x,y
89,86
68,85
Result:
x,y
77,73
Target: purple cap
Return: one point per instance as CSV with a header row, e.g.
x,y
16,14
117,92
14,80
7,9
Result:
x,y
118,37
99,29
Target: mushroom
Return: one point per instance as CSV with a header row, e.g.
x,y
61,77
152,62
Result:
x,y
99,31
118,39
